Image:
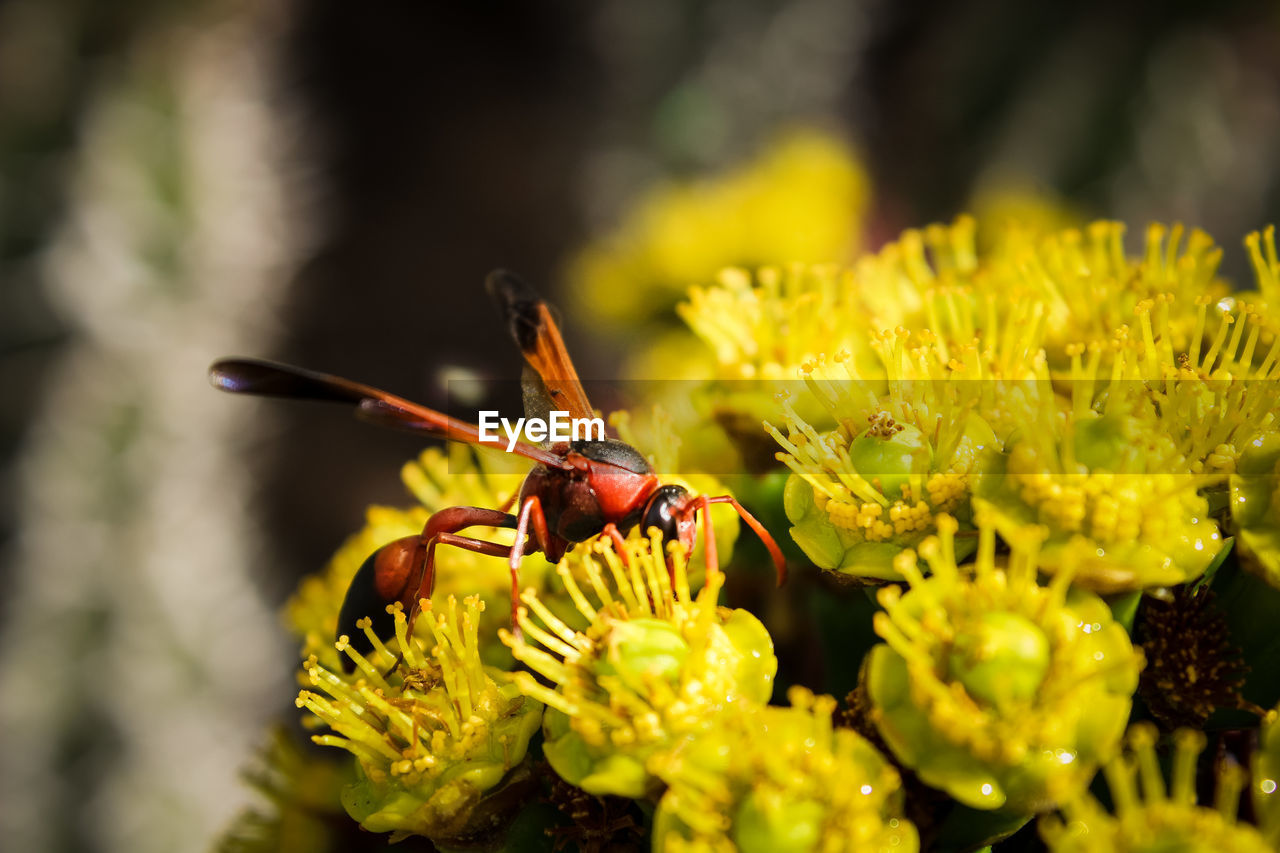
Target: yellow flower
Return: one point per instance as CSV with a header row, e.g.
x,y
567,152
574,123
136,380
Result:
x,y
802,200
922,278
1147,817
760,328
1091,287
766,325
1199,365
1001,692
1012,209
860,494
303,790
655,664
1265,773
433,733
925,308
1255,506
1116,479
781,779
1212,397
1266,264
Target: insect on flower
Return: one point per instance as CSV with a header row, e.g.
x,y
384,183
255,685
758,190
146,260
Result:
x,y
575,491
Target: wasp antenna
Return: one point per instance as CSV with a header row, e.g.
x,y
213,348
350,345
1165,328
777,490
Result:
x,y
779,561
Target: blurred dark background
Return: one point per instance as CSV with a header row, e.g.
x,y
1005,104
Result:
x,y
403,150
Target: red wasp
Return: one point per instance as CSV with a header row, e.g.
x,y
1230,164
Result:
x,y
575,491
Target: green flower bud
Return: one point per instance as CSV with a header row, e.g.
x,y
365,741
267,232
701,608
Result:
x,y
582,764
643,649
889,453
764,824
1105,443
1003,693
1002,659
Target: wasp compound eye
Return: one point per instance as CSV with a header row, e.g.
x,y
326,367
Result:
x,y
664,512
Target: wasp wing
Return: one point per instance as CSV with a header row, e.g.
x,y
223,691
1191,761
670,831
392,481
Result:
x,y
535,331
271,379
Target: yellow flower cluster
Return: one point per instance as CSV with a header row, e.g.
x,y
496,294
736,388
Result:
x,y
803,199
655,663
1092,287
1113,479
998,690
1038,416
1148,817
898,457
662,695
767,325
1211,398
781,779
1052,376
1104,505
432,732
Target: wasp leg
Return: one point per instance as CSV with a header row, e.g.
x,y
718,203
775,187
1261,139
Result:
x,y
509,502
619,543
442,528
493,549
779,561
530,511
709,549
